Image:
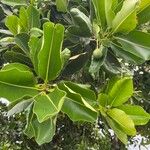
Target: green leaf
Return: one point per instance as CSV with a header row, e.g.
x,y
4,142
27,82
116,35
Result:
x,y
109,11
143,5
23,16
12,23
16,83
144,16
35,46
136,113
49,56
82,24
99,6
118,130
76,107
33,17
102,99
86,93
136,43
21,106
61,5
121,91
125,19
128,56
22,40
125,122
75,63
13,57
48,105
14,2
44,131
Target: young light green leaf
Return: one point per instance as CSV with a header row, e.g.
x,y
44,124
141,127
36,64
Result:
x,y
118,130
61,5
109,11
51,106
12,23
99,6
49,56
102,99
125,122
136,113
19,83
125,19
121,91
143,5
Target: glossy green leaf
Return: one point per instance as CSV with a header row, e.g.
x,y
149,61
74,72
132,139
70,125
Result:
x,y
33,17
12,23
109,4
125,19
49,57
48,105
14,2
128,56
99,6
136,113
61,5
86,93
125,122
118,130
121,91
76,107
136,43
16,83
22,40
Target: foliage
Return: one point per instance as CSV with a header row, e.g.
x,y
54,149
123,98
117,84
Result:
x,y
45,43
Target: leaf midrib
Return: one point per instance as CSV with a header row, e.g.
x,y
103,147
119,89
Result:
x,y
49,56
19,86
